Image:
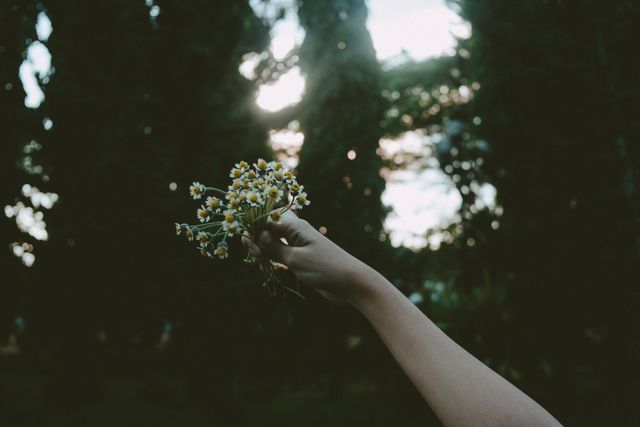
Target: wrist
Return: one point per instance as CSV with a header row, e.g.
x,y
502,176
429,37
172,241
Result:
x,y
367,287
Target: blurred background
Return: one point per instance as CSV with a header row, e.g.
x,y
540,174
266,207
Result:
x,y
482,154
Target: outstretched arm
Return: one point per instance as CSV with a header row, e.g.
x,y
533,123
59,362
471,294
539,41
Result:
x,y
458,387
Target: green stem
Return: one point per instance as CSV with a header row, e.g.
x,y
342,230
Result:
x,y
216,190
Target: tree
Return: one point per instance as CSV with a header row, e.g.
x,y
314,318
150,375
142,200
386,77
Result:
x,y
140,104
553,111
338,162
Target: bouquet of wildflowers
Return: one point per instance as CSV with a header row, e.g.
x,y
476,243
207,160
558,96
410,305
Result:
x,y
258,195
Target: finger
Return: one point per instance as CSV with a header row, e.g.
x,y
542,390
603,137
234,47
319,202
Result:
x,y
252,247
287,226
274,248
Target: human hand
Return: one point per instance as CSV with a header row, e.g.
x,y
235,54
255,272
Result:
x,y
313,258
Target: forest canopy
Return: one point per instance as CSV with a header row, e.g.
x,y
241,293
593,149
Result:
x,y
528,125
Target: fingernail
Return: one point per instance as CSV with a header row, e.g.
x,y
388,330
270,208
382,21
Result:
x,y
265,239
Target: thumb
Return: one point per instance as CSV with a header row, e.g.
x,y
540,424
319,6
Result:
x,y
274,248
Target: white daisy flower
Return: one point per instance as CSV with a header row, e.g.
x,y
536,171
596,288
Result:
x,y
236,184
196,190
229,216
275,216
301,200
261,165
231,194
256,183
295,187
203,214
236,173
205,252
189,234
254,198
231,228
274,193
289,176
203,238
235,202
221,251
213,203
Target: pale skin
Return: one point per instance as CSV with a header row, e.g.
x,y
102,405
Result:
x,y
460,389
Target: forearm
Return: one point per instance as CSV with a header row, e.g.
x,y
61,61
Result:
x,y
460,389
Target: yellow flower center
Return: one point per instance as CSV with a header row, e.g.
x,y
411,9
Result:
x,y
273,192
237,173
262,164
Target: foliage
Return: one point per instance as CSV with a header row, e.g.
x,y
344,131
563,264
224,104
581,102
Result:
x,y
343,81
541,102
556,80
